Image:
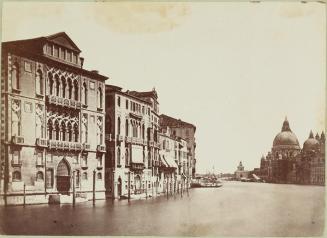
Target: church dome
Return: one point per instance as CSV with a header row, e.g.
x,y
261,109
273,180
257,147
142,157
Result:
x,y
286,138
311,143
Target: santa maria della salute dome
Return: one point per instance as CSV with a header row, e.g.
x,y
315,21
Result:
x,y
288,163
285,143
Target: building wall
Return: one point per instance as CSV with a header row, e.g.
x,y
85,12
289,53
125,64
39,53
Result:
x,y
26,114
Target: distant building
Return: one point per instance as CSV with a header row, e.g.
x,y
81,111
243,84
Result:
x,y
288,163
185,131
132,126
240,173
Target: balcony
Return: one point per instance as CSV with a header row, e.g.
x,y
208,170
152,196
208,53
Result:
x,y
64,145
137,166
136,115
17,140
64,102
42,142
120,138
86,146
101,148
16,163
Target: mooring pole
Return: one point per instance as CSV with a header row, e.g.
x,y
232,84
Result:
x,y
74,188
146,189
167,184
24,194
94,187
129,185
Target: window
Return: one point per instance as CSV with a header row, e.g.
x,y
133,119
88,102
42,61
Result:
x,y
99,176
84,93
39,82
118,126
118,156
126,157
75,159
63,87
84,160
126,127
118,101
16,176
100,98
39,159
126,104
39,176
74,58
15,123
51,84
15,76
62,53
76,89
99,131
69,56
28,67
84,176
16,157
49,50
56,51
99,158
49,178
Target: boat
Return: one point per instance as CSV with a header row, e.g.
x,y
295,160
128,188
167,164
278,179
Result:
x,y
205,183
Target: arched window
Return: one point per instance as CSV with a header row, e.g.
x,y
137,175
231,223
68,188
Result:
x,y
100,98
143,132
99,176
84,176
15,76
50,129
15,123
84,133
39,176
16,176
76,133
118,156
38,127
126,157
118,126
76,90
51,84
39,82
99,131
63,83
70,88
126,127
58,86
84,94
57,130
69,131
63,131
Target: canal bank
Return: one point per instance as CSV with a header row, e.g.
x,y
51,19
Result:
x,y
236,209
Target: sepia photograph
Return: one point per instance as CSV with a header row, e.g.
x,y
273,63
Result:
x,y
163,118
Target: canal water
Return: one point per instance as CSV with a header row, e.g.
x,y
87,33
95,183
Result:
x,y
235,209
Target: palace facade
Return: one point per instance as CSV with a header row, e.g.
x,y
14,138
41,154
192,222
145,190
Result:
x,y
184,130
52,122
287,162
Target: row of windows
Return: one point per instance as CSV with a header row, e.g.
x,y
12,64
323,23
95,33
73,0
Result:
x,y
16,177
61,53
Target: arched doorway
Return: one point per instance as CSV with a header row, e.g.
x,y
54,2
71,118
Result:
x,y
63,177
119,186
137,181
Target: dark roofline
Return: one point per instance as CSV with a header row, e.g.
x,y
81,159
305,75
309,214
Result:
x,y
176,121
118,89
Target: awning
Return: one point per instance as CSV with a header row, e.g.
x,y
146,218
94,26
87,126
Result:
x,y
163,160
170,161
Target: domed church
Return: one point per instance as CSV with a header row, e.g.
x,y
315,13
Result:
x,y
288,163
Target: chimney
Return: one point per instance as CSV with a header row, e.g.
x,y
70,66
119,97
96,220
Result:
x,y
95,71
82,61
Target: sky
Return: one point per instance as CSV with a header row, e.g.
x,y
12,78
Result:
x,y
235,70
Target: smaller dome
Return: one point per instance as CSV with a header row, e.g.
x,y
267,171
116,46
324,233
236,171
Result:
x,y
311,143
